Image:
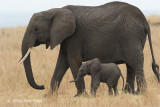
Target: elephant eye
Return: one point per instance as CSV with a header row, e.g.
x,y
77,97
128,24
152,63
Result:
x,y
36,29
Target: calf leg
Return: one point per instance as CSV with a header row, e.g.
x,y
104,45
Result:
x,y
110,92
95,84
115,88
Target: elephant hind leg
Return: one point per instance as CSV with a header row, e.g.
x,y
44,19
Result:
x,y
129,87
135,69
141,83
139,73
110,92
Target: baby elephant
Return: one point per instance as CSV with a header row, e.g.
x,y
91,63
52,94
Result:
x,y
106,73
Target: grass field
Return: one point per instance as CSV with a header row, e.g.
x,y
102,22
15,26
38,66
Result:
x,y
15,90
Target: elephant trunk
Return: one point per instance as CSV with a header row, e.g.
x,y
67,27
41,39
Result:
x,y
78,77
27,65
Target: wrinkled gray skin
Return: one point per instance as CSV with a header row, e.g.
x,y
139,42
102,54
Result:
x,y
106,73
114,32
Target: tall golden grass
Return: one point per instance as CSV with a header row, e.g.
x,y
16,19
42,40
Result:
x,y
15,90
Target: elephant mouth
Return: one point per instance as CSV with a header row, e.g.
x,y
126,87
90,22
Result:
x,y
37,43
82,75
88,73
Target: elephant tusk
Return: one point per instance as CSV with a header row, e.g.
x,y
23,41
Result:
x,y
26,55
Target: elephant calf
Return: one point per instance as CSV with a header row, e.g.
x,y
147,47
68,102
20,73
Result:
x,y
106,73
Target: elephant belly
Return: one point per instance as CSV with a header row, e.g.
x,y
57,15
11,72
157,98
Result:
x,y
108,51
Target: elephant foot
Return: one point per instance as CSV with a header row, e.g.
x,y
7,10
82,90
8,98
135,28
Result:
x,y
116,93
140,92
141,85
78,95
110,93
81,94
137,93
51,94
128,89
93,95
46,95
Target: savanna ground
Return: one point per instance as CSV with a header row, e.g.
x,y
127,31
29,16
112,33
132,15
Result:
x,y
15,90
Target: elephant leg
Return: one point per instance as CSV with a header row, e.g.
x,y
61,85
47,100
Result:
x,y
141,83
61,68
110,86
110,92
135,69
115,88
95,82
129,87
75,62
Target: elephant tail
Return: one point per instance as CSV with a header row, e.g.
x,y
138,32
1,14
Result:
x,y
155,67
123,81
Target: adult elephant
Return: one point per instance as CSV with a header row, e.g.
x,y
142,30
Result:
x,y
114,32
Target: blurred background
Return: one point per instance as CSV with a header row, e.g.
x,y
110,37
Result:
x,y
18,12
14,88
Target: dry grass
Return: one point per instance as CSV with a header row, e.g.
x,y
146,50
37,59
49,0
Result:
x,y
15,90
153,19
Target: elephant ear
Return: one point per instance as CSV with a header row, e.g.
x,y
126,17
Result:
x,y
94,66
63,26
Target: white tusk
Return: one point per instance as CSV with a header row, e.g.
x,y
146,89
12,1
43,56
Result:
x,y
26,55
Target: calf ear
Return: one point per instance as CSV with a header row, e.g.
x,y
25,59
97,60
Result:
x,y
63,26
94,66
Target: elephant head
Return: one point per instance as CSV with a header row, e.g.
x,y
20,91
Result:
x,y
47,27
91,67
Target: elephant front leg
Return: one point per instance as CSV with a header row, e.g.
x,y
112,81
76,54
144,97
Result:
x,y
95,84
115,89
75,62
61,68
